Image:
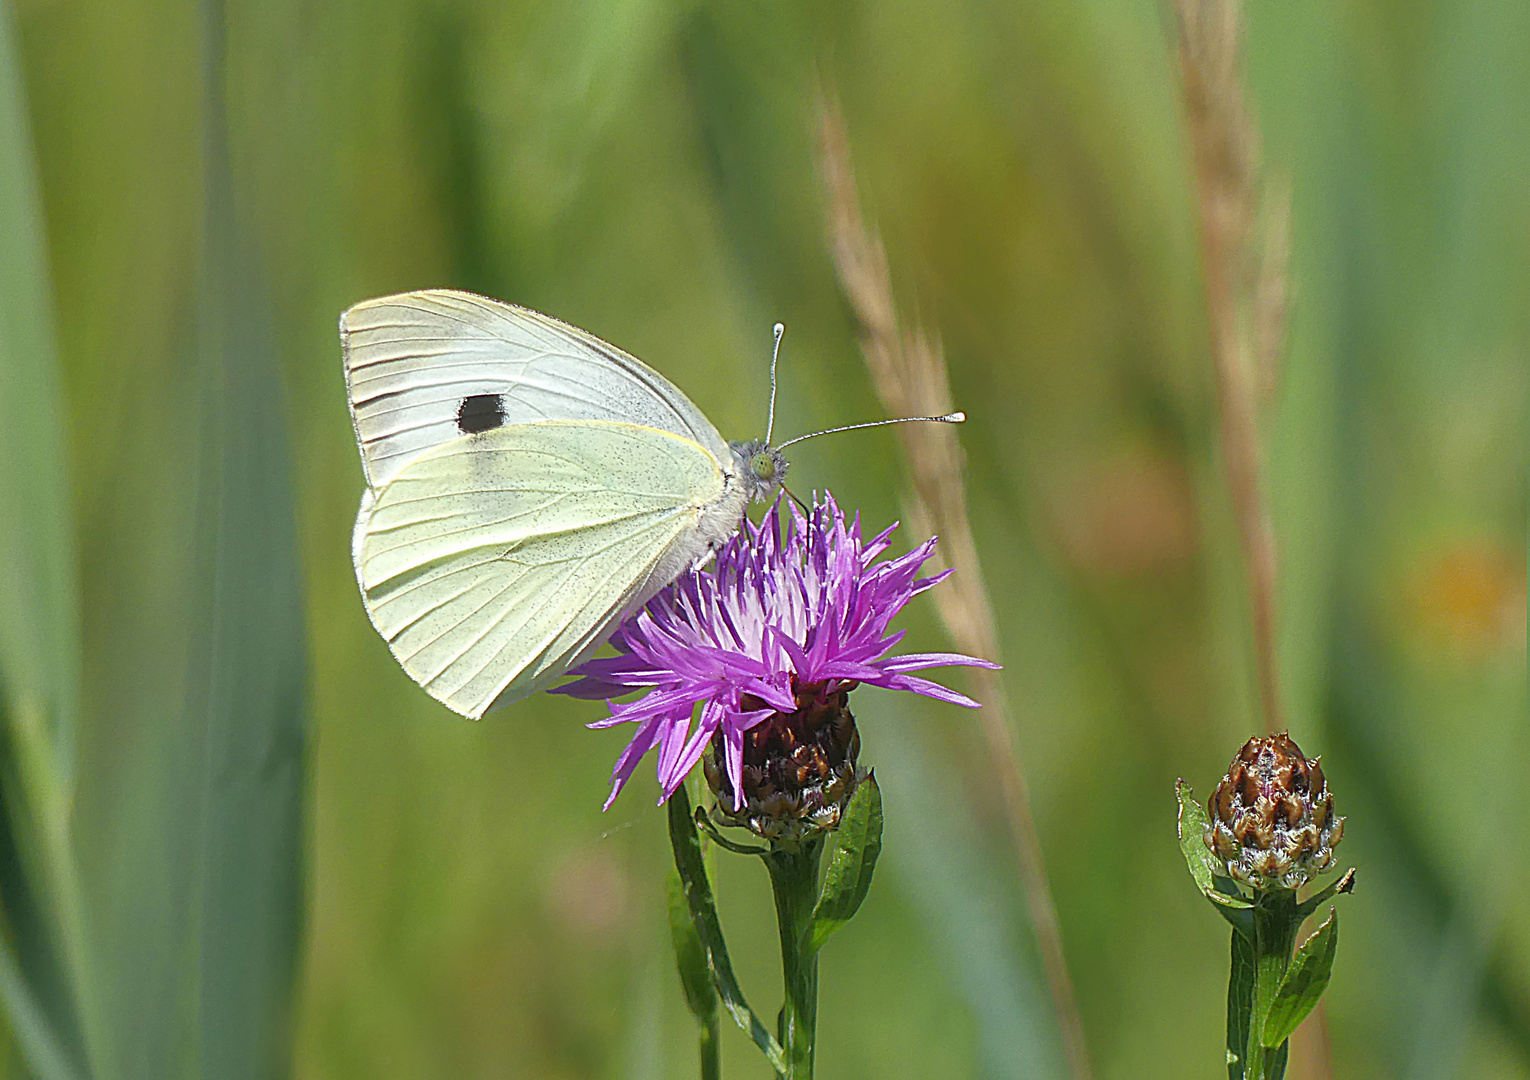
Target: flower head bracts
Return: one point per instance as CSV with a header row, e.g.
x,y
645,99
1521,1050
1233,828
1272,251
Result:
x,y
779,613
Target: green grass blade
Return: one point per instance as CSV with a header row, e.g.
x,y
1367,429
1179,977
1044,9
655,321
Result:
x,y
47,1056
935,852
246,677
39,971
39,621
192,756
39,634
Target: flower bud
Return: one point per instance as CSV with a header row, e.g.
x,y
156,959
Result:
x,y
1272,821
799,768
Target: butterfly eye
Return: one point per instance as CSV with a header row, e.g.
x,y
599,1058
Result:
x,y
763,466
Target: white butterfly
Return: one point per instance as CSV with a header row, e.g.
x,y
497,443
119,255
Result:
x,y
528,487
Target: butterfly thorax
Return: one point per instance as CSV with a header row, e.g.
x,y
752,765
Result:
x,y
761,468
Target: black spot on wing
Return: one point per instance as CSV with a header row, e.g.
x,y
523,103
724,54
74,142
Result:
x,y
480,412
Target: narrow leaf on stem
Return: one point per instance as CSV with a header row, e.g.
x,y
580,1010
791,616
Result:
x,y
1240,1000
690,956
1216,886
1192,826
1345,884
1304,982
848,877
695,976
686,843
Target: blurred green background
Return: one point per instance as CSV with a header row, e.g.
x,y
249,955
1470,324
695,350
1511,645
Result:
x,y
258,799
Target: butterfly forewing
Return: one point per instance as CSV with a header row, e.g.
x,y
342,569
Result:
x,y
425,368
494,561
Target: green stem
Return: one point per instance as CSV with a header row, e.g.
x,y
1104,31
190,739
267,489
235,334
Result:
x,y
794,880
1276,921
711,1063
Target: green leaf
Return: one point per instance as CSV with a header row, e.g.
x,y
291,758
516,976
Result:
x,y
1345,884
690,957
1192,826
686,842
246,678
1275,1062
848,878
195,872
35,1031
42,976
1240,1003
1204,868
243,868
39,635
695,975
1304,982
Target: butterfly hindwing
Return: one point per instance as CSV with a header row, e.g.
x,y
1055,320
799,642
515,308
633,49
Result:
x,y
495,560
425,368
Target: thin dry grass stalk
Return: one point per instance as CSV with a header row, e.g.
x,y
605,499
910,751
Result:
x,y
908,369
1245,295
1247,298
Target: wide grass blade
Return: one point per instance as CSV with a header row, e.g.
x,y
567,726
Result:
x,y
39,634
936,853
246,676
192,760
39,621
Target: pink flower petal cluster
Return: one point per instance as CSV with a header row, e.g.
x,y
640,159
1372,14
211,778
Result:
x,y
777,611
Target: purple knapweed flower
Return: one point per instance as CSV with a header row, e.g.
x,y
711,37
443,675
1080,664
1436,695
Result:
x,y
776,618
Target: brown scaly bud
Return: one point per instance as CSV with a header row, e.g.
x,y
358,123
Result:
x,y
1272,820
799,768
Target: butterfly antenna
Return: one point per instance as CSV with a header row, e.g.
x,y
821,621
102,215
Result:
x,y
792,495
948,418
770,424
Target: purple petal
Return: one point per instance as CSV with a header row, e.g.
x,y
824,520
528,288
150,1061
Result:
x,y
928,689
772,694
706,727
733,745
628,761
801,598
672,741
654,703
743,721
916,661
795,654
848,671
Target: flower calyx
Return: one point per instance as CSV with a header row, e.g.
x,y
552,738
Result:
x,y
799,768
1272,823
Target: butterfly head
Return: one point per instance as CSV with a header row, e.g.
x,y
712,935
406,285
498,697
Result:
x,y
761,467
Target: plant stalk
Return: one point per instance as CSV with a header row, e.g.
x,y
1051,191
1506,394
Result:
x,y
794,881
711,1061
1276,923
